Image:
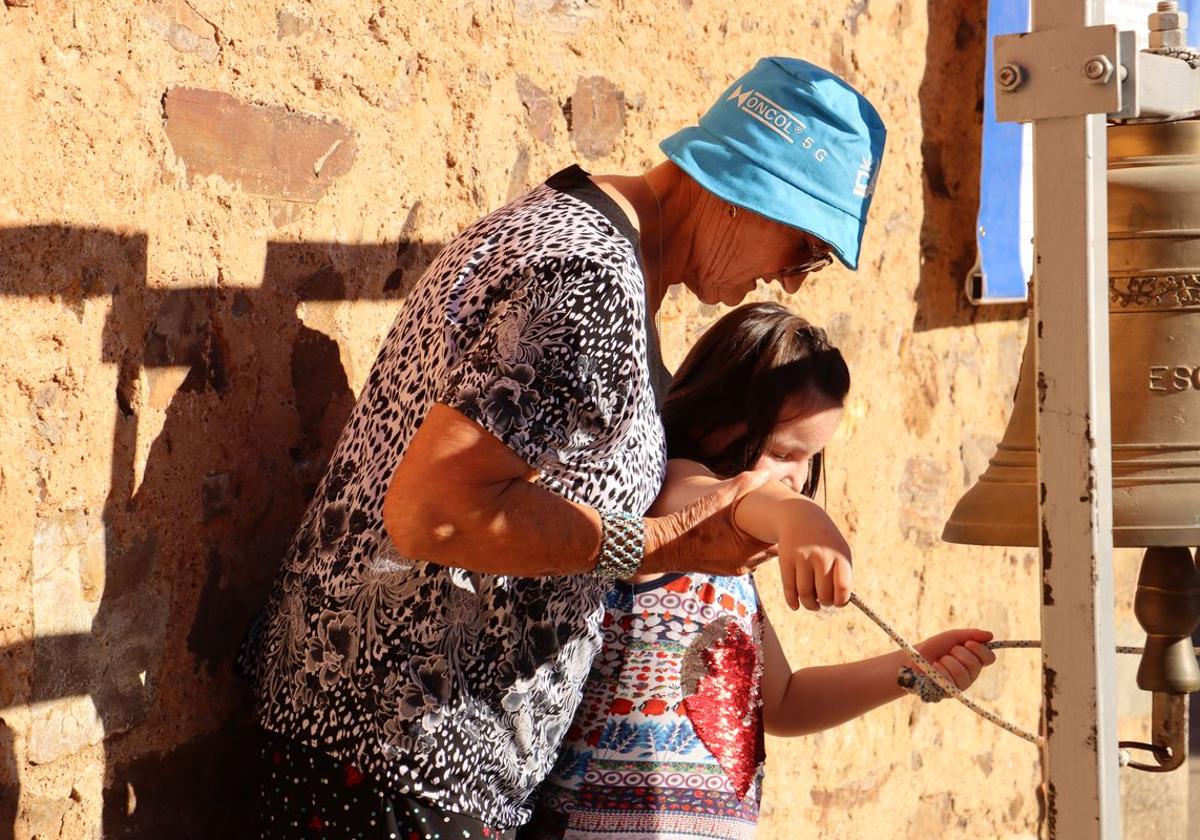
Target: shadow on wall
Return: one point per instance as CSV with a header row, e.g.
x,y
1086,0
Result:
x,y
10,784
951,97
252,402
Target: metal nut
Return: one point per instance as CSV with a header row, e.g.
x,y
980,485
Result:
x,y
1162,21
1169,38
1098,69
1010,77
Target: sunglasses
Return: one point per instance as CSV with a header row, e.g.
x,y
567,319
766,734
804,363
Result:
x,y
819,256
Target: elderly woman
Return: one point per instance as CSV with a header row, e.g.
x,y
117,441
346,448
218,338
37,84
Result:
x,y
437,613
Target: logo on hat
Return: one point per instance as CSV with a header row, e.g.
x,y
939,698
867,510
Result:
x,y
768,112
864,181
774,116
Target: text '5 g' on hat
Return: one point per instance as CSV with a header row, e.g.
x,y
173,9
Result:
x,y
792,142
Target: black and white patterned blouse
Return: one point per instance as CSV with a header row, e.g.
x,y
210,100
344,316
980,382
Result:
x,y
442,684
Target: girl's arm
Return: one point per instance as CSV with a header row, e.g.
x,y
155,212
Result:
x,y
814,559
813,699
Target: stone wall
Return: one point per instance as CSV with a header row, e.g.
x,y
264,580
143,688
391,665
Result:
x,y
208,213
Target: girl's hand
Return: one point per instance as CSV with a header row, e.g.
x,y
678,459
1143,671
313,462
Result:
x,y
814,558
958,654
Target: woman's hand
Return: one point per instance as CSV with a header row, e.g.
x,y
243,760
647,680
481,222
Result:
x,y
814,558
958,654
701,536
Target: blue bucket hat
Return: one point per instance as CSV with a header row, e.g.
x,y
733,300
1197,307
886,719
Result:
x,y
792,142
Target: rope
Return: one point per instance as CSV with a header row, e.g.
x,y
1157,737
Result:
x,y
940,681
1033,643
931,686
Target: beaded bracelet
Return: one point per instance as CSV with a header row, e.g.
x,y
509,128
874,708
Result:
x,y
622,545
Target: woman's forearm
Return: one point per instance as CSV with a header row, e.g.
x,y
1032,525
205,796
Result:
x,y
517,528
492,530
461,498
826,696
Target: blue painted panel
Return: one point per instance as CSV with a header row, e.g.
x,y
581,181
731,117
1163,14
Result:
x,y
1004,228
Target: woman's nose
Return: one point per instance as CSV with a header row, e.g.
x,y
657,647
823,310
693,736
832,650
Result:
x,y
792,283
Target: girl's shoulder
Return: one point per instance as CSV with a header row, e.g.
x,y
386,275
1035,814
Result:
x,y
685,481
680,468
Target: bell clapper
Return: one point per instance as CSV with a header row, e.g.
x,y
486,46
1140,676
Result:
x,y
1167,605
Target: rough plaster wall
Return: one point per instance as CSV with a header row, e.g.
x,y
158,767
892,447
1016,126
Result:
x,y
207,214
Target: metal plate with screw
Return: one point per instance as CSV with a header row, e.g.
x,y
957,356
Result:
x,y
1057,73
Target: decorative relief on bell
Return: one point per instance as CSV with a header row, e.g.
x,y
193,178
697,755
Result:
x,y
1165,291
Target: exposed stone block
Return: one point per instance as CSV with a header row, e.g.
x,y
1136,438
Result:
x,y
921,494
68,566
541,111
43,816
69,726
854,11
564,16
94,660
267,151
290,25
182,28
217,494
518,179
597,116
977,448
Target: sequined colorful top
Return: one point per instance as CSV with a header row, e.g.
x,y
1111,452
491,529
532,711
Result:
x,y
668,739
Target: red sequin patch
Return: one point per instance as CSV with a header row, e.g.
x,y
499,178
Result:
x,y
725,709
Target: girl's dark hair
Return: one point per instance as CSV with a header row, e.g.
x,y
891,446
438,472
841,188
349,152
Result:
x,y
742,372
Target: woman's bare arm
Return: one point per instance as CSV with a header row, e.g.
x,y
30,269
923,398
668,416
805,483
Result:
x,y
460,497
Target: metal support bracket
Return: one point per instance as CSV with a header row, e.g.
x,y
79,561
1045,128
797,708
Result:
x,y
1090,70
1159,87
1058,73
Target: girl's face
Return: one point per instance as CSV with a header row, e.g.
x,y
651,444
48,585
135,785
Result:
x,y
808,426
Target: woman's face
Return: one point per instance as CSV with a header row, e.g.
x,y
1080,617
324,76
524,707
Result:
x,y
734,252
794,441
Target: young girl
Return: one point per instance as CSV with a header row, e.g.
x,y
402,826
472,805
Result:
x,y
668,738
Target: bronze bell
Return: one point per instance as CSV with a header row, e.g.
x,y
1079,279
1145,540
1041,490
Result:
x,y
1154,335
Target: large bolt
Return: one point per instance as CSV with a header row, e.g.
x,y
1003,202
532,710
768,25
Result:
x,y
1163,21
1168,38
1010,77
1168,18
1098,69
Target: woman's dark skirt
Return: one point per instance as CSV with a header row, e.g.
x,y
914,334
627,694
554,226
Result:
x,y
308,795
